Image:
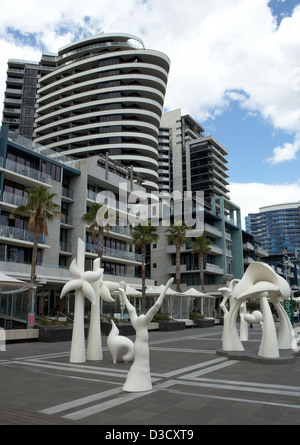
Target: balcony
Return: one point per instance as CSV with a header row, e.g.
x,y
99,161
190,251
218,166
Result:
x,y
213,269
248,260
18,235
248,246
65,247
67,193
26,171
120,255
12,199
212,231
66,220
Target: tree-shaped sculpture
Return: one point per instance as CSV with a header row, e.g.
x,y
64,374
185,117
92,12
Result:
x,y
139,377
102,291
81,283
259,282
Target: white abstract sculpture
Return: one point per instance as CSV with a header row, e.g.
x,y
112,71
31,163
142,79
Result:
x,y
102,290
118,343
230,338
255,317
286,335
139,378
83,288
259,282
243,325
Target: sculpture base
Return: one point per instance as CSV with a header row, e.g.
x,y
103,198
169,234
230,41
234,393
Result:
x,y
286,355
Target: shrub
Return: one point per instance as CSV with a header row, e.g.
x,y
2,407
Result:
x,y
161,317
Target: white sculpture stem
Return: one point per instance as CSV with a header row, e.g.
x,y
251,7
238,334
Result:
x,y
94,345
231,339
77,353
286,335
83,289
269,344
244,325
139,378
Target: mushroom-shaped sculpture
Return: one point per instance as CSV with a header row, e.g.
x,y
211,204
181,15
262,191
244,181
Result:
x,y
261,282
83,288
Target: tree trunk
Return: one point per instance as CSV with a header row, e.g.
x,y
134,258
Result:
x,y
202,272
178,267
143,278
100,244
34,250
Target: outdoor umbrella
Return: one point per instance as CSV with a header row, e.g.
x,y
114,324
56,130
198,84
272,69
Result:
x,y
194,293
9,282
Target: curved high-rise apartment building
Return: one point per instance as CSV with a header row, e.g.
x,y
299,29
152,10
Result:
x,y
105,94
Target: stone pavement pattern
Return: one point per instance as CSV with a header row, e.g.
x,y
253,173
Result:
x,y
192,385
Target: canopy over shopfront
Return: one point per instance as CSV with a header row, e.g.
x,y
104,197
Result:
x,y
17,301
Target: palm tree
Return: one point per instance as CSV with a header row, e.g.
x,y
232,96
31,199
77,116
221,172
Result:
x,y
143,235
178,238
41,208
92,218
201,246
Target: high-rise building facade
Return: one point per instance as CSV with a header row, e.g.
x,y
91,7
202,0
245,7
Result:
x,y
20,93
103,94
198,163
277,227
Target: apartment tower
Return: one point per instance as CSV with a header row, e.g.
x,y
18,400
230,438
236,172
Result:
x,y
100,95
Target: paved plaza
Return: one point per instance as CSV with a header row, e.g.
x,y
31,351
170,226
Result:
x,y
192,385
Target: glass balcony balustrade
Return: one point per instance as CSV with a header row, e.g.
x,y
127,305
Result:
x,y
20,234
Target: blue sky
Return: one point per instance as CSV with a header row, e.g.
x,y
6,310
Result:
x,y
235,67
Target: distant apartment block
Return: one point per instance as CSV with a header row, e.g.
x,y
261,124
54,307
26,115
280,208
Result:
x,y
277,227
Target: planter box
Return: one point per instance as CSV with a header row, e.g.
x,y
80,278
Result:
x,y
49,334
204,323
171,325
21,334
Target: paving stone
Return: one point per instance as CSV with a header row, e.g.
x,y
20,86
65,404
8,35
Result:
x,y
192,386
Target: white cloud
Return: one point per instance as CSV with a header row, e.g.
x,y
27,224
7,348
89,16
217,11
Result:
x,y
250,197
286,152
219,50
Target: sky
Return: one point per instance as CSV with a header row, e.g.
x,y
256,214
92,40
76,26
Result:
x,y
235,68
